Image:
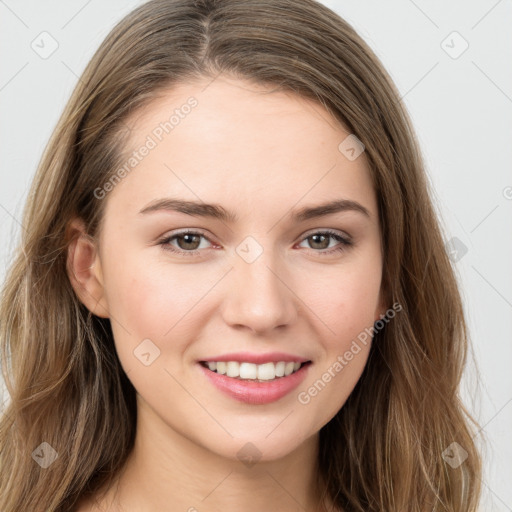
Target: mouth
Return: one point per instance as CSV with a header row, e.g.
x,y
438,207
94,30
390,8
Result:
x,y
245,371
254,384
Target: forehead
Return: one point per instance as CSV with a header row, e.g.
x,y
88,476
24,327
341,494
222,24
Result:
x,y
236,142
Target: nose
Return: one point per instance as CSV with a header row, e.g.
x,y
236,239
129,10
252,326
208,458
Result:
x,y
260,297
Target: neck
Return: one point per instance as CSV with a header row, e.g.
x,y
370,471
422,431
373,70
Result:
x,y
168,471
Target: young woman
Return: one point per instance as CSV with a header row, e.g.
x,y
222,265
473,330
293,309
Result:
x,y
232,291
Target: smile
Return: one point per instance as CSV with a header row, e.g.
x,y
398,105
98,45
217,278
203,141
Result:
x,y
250,371
252,383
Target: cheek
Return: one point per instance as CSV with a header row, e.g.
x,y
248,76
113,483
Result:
x,y
347,302
143,293
160,301
348,310
139,309
137,301
347,305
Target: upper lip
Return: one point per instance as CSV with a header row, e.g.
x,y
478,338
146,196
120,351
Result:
x,y
248,357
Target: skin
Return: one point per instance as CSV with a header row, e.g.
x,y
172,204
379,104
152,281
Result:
x,y
261,154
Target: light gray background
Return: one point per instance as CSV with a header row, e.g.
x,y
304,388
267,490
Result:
x,y
461,108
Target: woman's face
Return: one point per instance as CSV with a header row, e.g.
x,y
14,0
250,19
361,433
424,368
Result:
x,y
254,282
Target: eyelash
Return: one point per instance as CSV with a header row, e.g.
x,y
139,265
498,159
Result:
x,y
344,242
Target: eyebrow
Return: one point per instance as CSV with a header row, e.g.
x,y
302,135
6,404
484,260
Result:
x,y
216,211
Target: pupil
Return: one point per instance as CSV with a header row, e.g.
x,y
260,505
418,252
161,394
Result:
x,y
187,238
319,236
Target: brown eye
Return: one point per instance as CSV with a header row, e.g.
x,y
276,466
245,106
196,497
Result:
x,y
320,241
186,243
189,241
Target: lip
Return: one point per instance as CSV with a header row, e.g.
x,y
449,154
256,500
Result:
x,y
248,357
252,392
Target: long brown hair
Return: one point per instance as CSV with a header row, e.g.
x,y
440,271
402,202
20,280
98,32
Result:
x,y
383,450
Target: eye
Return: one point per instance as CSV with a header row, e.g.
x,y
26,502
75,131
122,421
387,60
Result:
x,y
189,242
320,238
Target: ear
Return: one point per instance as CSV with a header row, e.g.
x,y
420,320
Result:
x,y
84,269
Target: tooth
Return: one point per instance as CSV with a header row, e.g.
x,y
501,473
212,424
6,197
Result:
x,y
244,370
248,371
280,369
233,369
266,371
288,369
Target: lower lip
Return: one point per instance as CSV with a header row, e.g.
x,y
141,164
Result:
x,y
256,393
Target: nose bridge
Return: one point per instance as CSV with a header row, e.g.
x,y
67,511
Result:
x,y
260,298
